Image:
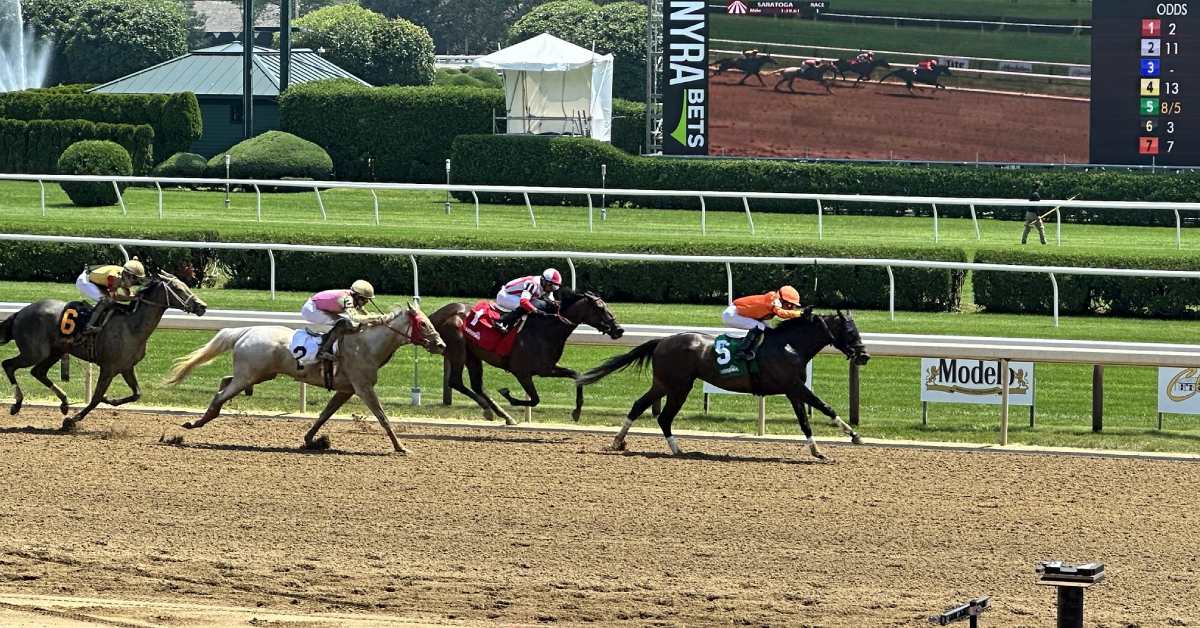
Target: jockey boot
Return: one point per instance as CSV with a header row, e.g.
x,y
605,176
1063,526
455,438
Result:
x,y
749,349
325,351
100,315
509,319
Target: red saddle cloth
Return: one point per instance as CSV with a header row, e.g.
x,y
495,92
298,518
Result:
x,y
480,329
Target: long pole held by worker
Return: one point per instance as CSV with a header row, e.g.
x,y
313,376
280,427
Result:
x,y
1043,216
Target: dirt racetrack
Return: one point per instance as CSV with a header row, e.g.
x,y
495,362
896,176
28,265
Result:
x,y
885,122
516,526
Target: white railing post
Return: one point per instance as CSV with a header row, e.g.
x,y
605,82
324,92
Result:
x,y
749,218
257,203
271,257
529,206
1178,231
891,293
975,222
416,278
124,253
1058,225
375,205
729,281
320,203
571,265
1054,285
820,221
703,217
476,197
303,397
589,196
447,187
160,201
936,234
43,190
120,198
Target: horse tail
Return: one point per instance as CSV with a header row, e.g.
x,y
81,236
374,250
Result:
x,y
6,330
222,342
640,356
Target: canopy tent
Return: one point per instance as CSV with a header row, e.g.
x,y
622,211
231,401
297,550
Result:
x,y
552,86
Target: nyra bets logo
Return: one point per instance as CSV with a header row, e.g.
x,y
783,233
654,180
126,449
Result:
x,y
686,70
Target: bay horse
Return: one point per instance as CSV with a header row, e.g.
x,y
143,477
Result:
x,y
822,73
679,360
261,354
538,348
750,66
864,69
917,75
43,337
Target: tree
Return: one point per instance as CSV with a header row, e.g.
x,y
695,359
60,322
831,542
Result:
x,y
618,29
368,45
458,26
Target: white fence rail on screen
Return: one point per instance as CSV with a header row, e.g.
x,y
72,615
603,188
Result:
x,y
897,20
570,256
1004,350
745,197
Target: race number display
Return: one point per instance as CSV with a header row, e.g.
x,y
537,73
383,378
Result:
x,y
1145,70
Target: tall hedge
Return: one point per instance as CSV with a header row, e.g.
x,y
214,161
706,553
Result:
x,y
997,291
572,162
175,117
387,133
35,146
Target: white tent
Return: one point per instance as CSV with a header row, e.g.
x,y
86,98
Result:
x,y
553,86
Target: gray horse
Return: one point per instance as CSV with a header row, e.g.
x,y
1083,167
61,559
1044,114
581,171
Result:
x,y
261,354
43,336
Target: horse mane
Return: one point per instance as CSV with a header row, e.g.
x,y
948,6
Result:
x,y
792,324
568,297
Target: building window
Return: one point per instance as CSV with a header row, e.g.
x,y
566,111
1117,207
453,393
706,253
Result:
x,y
235,113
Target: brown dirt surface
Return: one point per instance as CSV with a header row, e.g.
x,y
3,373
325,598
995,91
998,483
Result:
x,y
523,527
885,122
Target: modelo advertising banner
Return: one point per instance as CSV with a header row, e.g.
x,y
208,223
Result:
x,y
685,78
974,381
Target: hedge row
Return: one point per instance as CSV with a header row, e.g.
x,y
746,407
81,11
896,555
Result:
x,y
405,133
922,290
1025,293
175,118
572,162
35,146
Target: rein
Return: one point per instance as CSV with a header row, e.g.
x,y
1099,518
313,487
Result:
x,y
166,285
414,334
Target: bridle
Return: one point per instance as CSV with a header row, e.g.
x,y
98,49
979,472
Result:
x,y
847,351
414,334
608,326
170,290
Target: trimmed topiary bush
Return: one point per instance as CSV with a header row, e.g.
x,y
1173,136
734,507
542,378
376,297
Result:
x,y
274,155
368,45
182,165
94,157
477,77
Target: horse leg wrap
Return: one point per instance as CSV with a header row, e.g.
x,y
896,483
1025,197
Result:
x,y
673,443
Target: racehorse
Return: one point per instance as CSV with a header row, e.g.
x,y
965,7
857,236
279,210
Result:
x,y
261,354
679,360
822,73
751,66
536,352
918,75
43,332
864,69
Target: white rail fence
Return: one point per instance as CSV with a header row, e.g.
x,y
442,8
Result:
x,y
571,256
1004,350
897,20
1044,207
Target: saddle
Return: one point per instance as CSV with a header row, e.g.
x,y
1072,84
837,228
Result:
x,y
725,350
479,328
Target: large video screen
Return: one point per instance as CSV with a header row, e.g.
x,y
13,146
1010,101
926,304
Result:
x,y
1018,81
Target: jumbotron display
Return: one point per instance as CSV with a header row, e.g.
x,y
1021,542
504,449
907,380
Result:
x,y
1039,81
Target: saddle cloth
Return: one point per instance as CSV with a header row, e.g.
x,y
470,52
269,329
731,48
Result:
x,y
725,347
304,346
74,318
480,329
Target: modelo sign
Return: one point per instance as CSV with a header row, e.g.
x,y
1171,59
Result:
x,y
974,381
1178,390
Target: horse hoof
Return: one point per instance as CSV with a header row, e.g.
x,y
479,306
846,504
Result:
x,y
67,426
14,408
319,444
856,439
819,456
402,450
509,421
188,426
617,447
65,408
575,414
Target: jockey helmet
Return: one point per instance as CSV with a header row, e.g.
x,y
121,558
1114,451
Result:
x,y
789,296
551,277
363,288
134,268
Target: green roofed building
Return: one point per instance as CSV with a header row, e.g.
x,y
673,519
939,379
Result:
x,y
214,75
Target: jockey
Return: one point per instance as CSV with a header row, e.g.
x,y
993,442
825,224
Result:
x,y
106,285
811,63
865,57
343,309
927,65
750,54
526,295
753,312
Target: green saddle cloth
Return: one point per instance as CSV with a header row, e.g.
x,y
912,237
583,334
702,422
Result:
x,y
725,348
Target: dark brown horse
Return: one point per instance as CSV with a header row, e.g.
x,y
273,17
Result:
x,y
864,69
538,348
822,73
920,75
679,360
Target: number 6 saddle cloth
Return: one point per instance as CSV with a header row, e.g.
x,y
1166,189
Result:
x,y
74,318
725,347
